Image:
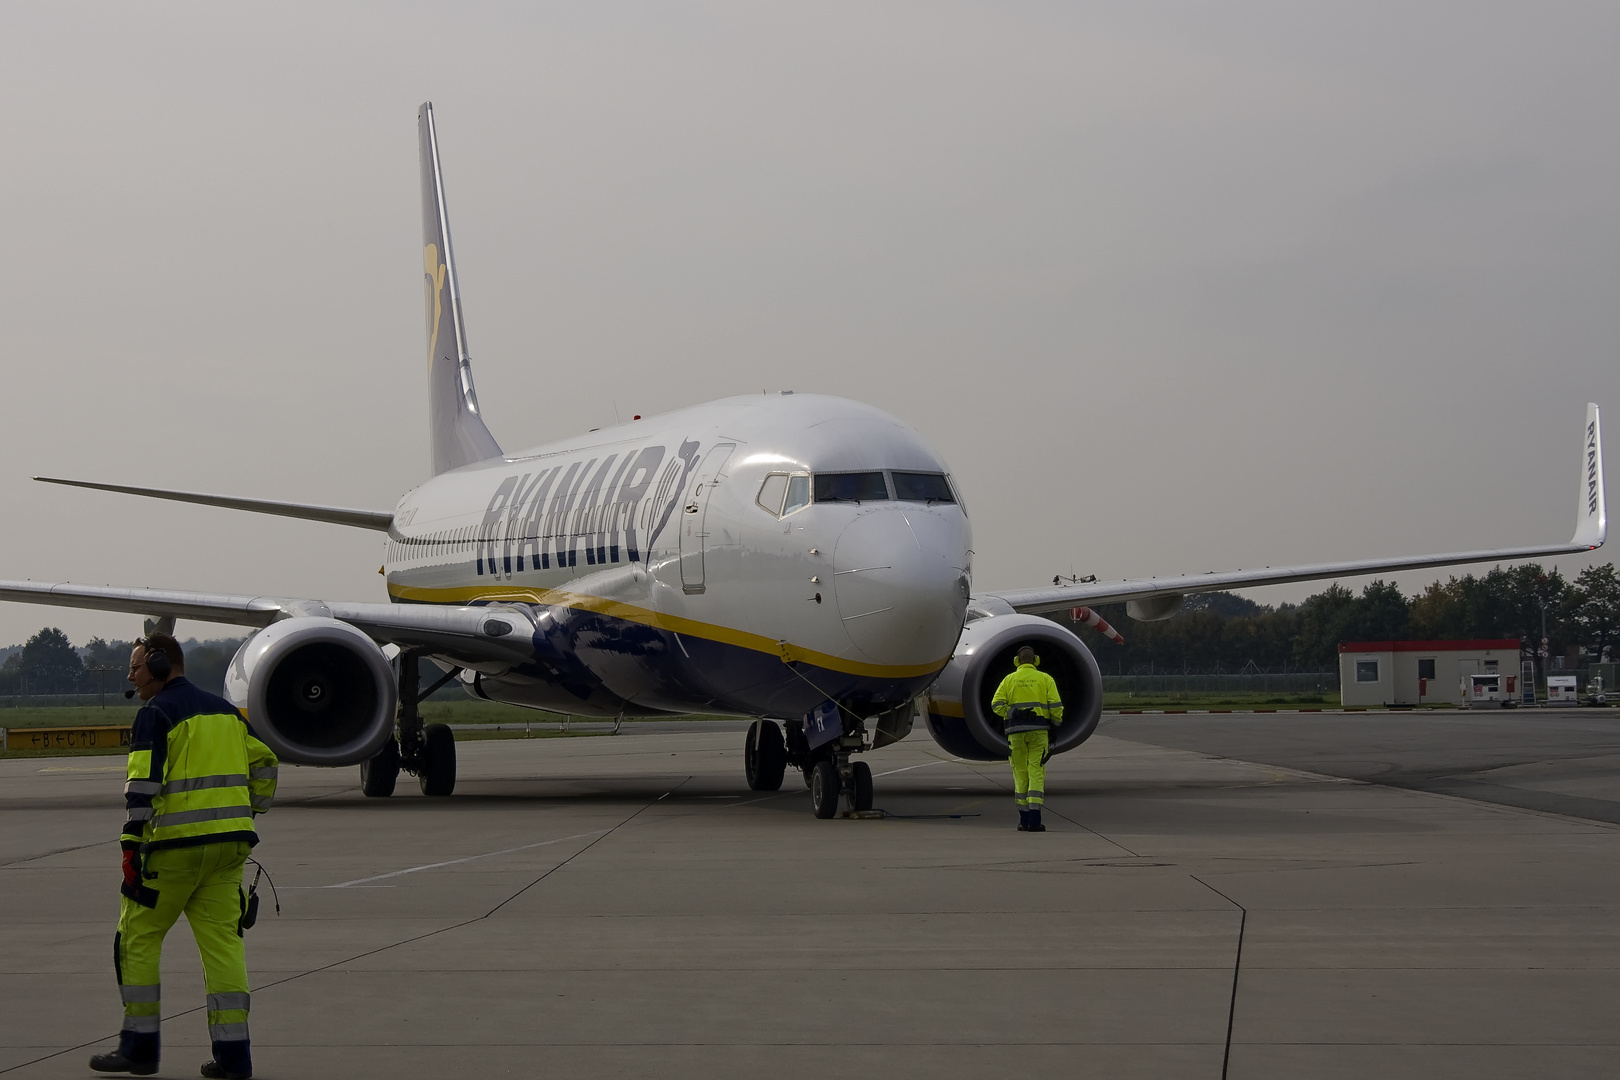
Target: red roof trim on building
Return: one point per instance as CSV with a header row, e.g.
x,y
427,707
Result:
x,y
1475,645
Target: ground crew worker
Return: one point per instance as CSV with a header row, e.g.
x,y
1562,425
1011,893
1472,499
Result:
x,y
197,776
1027,700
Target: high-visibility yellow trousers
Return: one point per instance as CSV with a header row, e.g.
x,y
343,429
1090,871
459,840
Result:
x,y
1029,775
204,882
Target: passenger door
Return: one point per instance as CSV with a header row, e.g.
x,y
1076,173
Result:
x,y
695,513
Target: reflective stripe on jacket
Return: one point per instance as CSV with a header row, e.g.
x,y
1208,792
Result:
x,y
197,774
1031,696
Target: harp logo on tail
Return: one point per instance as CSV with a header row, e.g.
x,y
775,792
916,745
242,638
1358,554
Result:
x,y
435,271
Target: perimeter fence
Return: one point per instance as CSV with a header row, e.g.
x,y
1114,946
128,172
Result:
x,y
113,696
1291,682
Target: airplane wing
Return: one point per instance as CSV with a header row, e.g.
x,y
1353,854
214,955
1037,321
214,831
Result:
x,y
1150,599
334,515
497,634
461,631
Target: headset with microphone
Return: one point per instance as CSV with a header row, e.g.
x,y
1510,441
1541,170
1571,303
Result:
x,y
157,663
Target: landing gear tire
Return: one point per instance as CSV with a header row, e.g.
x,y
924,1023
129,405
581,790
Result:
x,y
438,772
824,789
764,756
861,797
378,775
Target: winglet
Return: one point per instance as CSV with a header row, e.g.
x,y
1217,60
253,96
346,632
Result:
x,y
1592,519
457,434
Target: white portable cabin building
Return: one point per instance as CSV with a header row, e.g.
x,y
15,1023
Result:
x,y
1379,673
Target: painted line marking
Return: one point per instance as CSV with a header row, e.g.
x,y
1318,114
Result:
x,y
908,768
295,888
73,768
469,858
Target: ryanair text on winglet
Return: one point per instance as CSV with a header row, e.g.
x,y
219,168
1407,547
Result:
x,y
1591,468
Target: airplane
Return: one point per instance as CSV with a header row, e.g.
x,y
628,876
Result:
x,y
801,559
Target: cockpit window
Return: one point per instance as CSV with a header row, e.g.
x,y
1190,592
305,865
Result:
x,y
771,492
922,487
851,487
798,494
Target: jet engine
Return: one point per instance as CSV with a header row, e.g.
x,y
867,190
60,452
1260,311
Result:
x,y
959,715
316,690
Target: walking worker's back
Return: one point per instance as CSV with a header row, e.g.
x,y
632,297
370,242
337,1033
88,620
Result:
x,y
196,778
1028,702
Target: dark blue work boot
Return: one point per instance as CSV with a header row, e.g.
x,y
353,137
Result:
x,y
1023,821
215,1071
116,1062
1035,821
233,1060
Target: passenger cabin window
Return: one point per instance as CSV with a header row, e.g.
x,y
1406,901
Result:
x,y
1366,671
798,494
771,492
851,487
928,487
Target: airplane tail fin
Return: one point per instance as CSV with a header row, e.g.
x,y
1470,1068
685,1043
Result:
x,y
457,429
1592,520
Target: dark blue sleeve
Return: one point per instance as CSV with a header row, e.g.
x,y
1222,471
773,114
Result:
x,y
148,745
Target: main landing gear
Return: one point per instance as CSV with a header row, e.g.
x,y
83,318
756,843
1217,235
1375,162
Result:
x,y
828,771
426,750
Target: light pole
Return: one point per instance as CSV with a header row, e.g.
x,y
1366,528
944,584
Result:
x,y
1545,651
101,682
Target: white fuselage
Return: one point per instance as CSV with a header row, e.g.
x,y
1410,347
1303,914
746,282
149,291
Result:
x,y
755,555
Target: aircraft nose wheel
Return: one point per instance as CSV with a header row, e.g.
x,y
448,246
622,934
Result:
x,y
860,797
824,789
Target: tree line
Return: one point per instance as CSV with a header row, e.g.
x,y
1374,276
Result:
x,y
48,663
1215,632
1224,632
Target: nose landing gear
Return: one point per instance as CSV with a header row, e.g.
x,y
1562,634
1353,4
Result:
x,y
834,775
828,771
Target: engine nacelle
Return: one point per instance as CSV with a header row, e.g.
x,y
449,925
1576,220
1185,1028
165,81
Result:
x,y
959,714
316,690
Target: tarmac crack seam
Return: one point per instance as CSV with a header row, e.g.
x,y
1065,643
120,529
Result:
x,y
1002,783
473,858
1237,966
583,850
603,834
47,854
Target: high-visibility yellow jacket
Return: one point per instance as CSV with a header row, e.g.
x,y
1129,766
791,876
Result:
x,y
1027,700
197,774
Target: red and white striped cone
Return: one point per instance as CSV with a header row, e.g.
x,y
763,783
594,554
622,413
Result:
x,y
1091,618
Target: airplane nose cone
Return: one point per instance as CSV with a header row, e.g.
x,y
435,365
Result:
x,y
900,582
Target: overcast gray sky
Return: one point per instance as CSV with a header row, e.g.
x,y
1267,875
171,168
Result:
x,y
1173,287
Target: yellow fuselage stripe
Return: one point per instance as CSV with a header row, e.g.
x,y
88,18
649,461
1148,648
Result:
x,y
725,635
